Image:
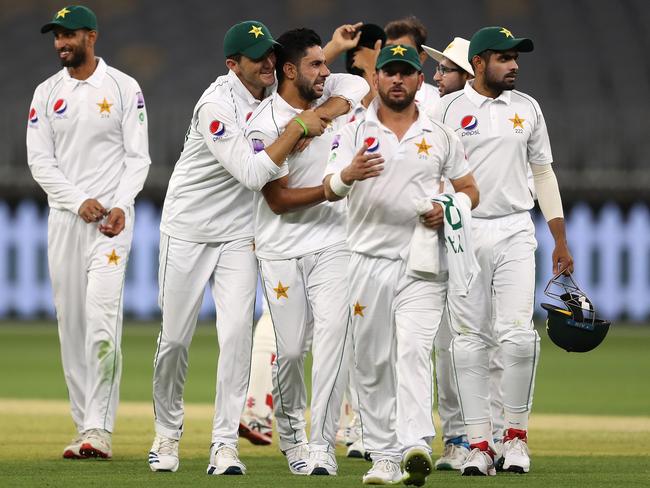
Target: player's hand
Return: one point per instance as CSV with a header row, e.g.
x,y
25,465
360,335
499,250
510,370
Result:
x,y
302,144
365,58
363,166
315,124
114,224
433,219
91,211
347,36
562,259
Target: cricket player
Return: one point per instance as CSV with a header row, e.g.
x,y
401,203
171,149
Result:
x,y
384,163
452,72
207,237
504,133
300,242
410,31
87,148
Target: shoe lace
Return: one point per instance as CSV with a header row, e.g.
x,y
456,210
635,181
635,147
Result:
x,y
227,452
448,451
519,446
167,446
387,466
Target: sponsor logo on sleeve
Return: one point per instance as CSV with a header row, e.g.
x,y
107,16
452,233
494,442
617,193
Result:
x,y
140,100
336,142
217,129
33,117
258,145
469,124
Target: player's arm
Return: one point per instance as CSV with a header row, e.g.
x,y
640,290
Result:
x,y
548,191
232,150
137,161
43,164
283,199
345,37
350,88
550,202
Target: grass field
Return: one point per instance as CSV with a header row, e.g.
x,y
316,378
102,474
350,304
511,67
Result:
x,y
590,427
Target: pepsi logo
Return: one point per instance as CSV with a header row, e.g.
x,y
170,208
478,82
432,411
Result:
x,y
33,118
217,128
372,143
60,106
469,122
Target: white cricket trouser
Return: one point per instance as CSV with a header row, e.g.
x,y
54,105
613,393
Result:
x,y
505,249
309,294
87,270
448,402
185,268
259,403
394,322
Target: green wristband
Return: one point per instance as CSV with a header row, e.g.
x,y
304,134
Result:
x,y
303,125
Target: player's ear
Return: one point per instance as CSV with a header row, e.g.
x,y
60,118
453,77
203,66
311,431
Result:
x,y
420,79
375,80
290,71
232,65
91,38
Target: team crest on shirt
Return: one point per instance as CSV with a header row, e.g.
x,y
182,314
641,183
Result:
x,y
217,129
33,117
258,145
469,124
59,108
372,143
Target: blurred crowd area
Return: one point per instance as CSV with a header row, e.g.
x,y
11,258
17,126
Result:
x,y
589,71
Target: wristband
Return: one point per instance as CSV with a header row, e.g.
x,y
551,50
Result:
x,y
337,185
299,121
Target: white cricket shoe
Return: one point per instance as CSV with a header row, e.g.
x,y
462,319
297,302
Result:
x,y
163,455
224,460
356,450
322,463
478,463
516,457
383,472
453,457
417,466
71,451
298,459
96,443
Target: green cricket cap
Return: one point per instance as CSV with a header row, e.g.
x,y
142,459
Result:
x,y
394,53
250,38
497,39
72,17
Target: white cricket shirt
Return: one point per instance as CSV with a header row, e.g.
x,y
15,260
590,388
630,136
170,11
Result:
x,y
501,138
306,231
382,211
88,139
210,197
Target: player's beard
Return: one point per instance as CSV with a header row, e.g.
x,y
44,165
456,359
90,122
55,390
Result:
x,y
397,105
499,85
77,57
306,88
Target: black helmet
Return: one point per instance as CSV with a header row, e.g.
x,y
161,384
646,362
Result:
x,y
575,328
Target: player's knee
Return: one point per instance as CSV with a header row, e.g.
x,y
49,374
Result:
x,y
519,343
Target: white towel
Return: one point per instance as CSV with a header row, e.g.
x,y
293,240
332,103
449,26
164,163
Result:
x,y
427,258
463,266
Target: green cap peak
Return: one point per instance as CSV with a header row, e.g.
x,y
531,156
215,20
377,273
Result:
x,y
72,17
250,38
399,53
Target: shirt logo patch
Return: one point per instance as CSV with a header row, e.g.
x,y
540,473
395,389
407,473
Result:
x,y
248,116
217,128
140,99
33,117
335,142
258,145
60,106
372,143
469,122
